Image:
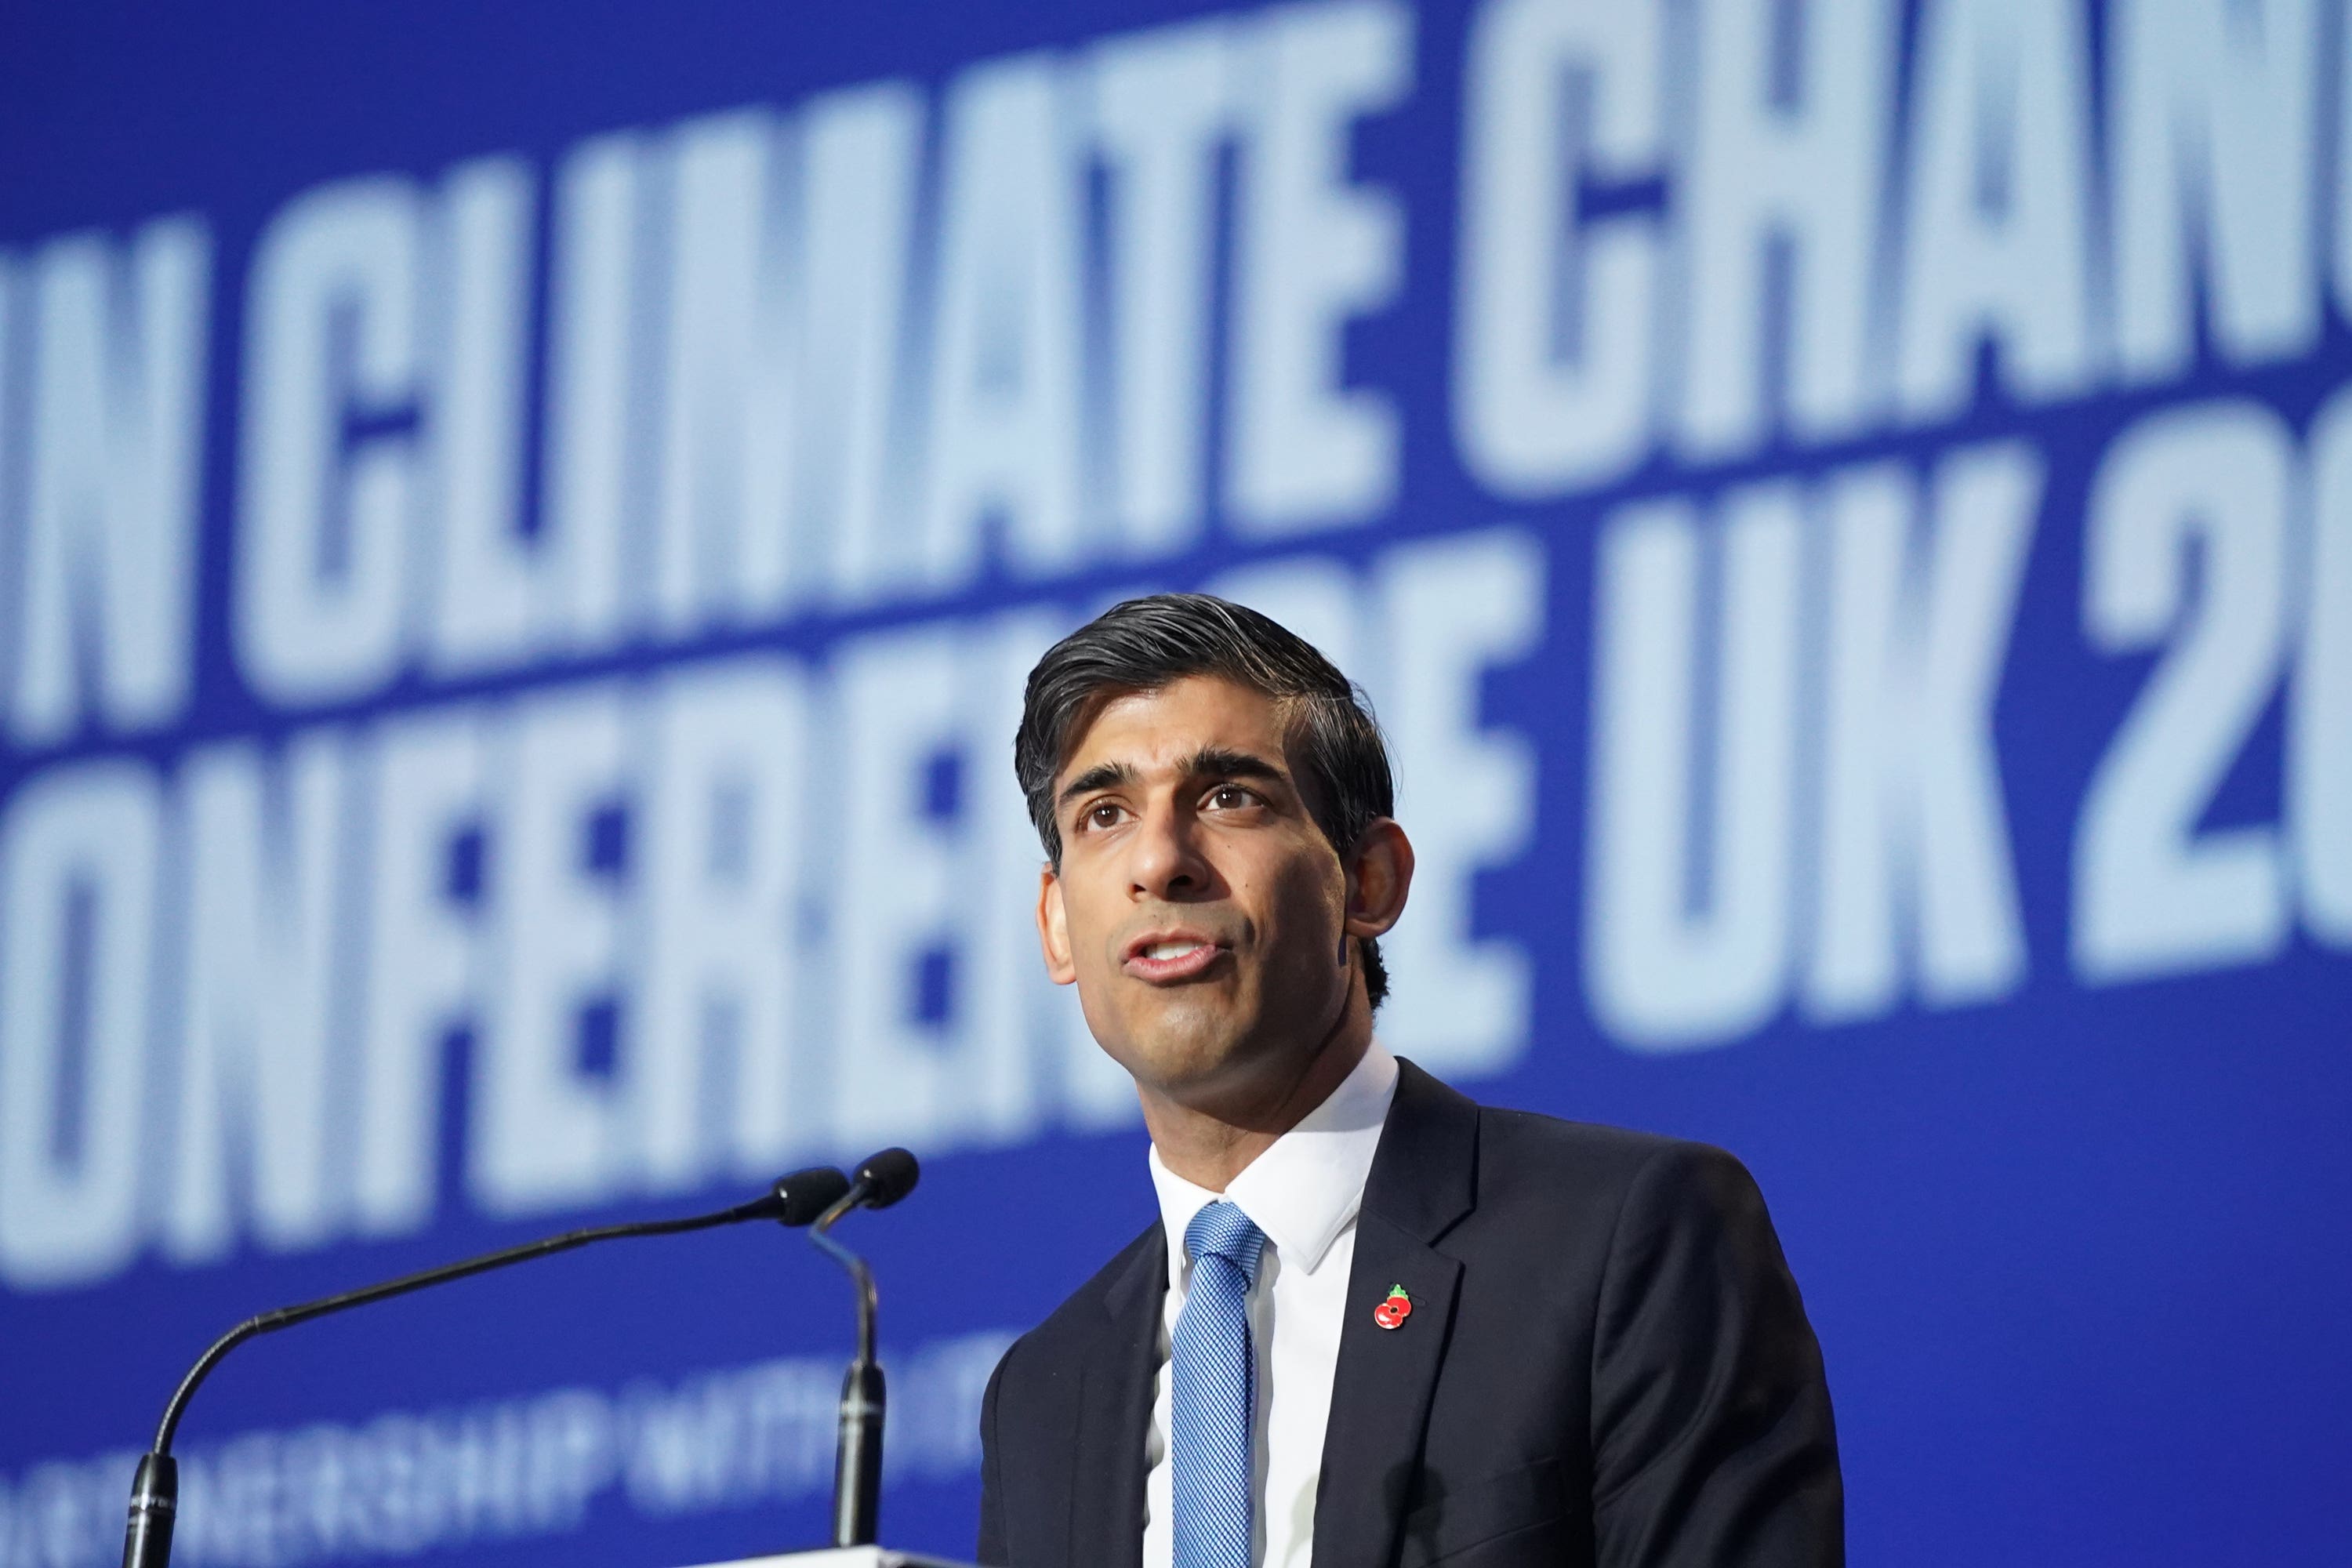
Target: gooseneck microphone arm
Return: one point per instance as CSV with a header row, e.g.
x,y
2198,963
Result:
x,y
795,1200
287,1317
857,1457
821,1234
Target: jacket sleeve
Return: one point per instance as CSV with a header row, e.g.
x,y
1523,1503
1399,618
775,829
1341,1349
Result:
x,y
991,1550
1713,1444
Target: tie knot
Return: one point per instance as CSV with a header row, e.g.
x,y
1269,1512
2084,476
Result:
x,y
1222,1230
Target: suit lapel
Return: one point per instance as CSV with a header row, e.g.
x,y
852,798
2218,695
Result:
x,y
1421,1182
1114,1414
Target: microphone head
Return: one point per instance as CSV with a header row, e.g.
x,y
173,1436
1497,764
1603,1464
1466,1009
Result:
x,y
888,1177
804,1194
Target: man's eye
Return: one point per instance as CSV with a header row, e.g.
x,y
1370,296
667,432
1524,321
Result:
x,y
1101,814
1230,797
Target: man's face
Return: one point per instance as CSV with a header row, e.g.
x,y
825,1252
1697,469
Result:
x,y
1198,908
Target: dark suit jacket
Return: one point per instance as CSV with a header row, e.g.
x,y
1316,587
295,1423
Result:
x,y
1606,1363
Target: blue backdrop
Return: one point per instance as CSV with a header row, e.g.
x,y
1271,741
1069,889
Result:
x,y
522,528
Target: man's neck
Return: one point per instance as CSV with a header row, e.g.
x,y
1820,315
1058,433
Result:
x,y
1209,1144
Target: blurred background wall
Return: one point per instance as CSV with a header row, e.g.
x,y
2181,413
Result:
x,y
521,529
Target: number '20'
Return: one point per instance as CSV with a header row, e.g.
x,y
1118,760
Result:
x,y
2212,535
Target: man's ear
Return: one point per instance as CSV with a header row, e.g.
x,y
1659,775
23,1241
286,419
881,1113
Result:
x,y
1380,875
1054,928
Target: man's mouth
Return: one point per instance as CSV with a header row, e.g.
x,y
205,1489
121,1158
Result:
x,y
1162,959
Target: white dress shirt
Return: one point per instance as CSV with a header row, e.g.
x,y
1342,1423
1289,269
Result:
x,y
1304,1193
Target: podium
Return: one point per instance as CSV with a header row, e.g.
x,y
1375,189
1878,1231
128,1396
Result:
x,y
843,1557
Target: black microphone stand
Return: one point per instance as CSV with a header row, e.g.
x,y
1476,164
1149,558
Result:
x,y
155,1490
857,1456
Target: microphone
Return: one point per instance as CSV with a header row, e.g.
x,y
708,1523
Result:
x,y
881,1181
802,1198
888,1177
799,1199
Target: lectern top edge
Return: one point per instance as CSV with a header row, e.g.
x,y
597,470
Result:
x,y
842,1557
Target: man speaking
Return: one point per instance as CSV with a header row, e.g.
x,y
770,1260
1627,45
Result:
x,y
1377,1324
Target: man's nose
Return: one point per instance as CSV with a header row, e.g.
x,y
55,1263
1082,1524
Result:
x,y
1167,862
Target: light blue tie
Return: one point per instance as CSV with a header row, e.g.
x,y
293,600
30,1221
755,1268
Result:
x,y
1213,1389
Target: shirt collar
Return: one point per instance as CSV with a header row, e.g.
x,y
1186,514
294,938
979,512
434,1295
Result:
x,y
1309,1182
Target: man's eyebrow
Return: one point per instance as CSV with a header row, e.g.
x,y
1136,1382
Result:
x,y
1102,775
1217,763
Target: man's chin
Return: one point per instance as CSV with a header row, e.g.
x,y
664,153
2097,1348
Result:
x,y
1184,1050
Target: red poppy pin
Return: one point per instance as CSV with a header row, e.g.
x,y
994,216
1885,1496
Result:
x,y
1392,1312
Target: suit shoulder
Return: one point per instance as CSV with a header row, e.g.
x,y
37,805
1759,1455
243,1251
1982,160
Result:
x,y
1510,1134
1082,1312
1526,1146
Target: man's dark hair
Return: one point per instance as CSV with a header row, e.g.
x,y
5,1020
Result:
x,y
1143,644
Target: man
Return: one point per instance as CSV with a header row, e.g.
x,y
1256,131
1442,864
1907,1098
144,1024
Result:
x,y
1378,1324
